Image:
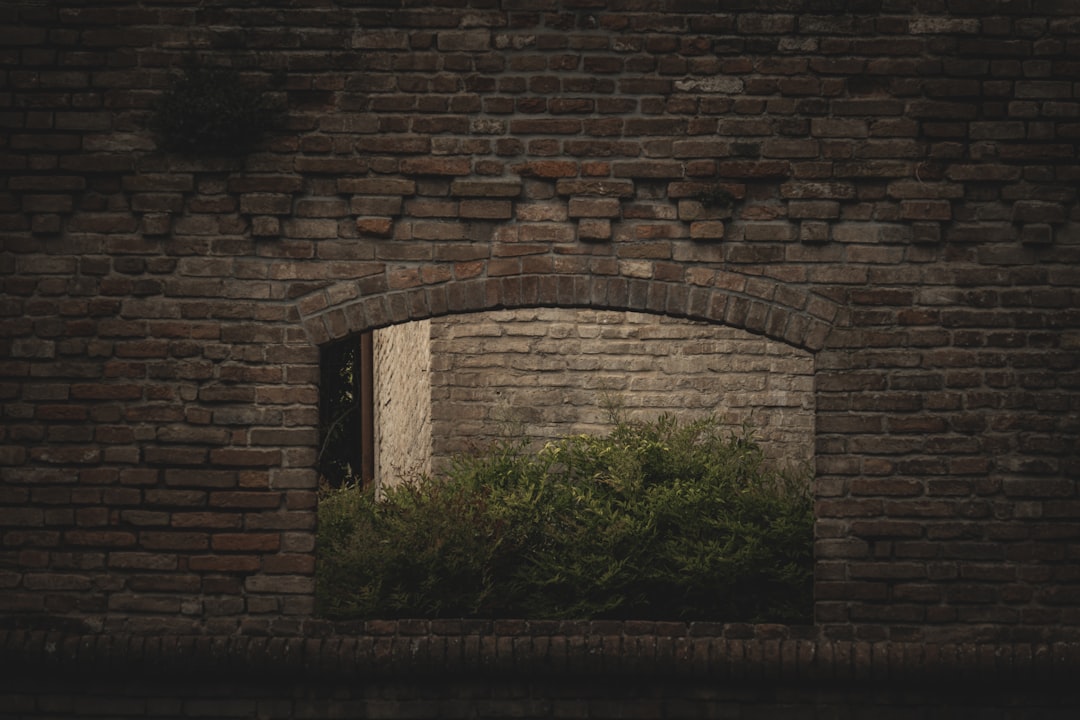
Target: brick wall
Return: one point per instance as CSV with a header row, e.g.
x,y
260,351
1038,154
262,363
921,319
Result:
x,y
546,373
889,186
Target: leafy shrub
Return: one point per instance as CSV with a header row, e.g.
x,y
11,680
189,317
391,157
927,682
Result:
x,y
655,520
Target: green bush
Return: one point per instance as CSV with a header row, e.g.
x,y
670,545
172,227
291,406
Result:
x,y
657,520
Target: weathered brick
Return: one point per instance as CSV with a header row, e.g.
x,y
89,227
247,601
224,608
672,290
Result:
x,y
434,166
225,563
612,188
100,538
246,542
814,209
266,203
314,229
201,478
484,189
548,169
594,229
248,457
926,210
486,209
377,226
376,205
707,230
142,561
464,40
650,169
173,540
284,584
592,207
1034,211
376,186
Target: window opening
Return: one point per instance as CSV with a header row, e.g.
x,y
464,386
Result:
x,y
346,417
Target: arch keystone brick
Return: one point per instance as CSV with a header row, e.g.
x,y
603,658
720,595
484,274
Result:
x,y
804,321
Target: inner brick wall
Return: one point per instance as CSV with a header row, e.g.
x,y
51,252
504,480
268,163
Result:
x,y
548,373
459,383
903,182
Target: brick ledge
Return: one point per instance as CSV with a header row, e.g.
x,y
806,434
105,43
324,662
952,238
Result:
x,y
740,653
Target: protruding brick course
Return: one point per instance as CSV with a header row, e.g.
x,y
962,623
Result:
x,y
756,653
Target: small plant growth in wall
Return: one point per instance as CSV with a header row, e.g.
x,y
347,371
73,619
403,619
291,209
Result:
x,y
653,520
212,111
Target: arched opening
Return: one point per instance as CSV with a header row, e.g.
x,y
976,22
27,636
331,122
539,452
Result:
x,y
753,337
795,318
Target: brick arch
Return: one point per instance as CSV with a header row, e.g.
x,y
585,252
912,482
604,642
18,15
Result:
x,y
786,313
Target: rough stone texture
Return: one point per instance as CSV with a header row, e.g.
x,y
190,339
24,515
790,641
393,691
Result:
x,y
890,186
546,373
402,400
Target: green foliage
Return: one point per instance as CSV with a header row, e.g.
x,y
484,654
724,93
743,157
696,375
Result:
x,y
656,520
209,111
339,412
716,196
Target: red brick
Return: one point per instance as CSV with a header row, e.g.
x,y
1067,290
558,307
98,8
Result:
x,y
547,169
247,457
707,230
545,127
382,186
266,203
142,561
66,455
153,540
593,207
610,188
289,564
110,391
201,478
61,412
436,230
753,169
485,189
594,229
209,519
387,205
141,604
375,226
814,209
648,169
486,209
246,542
434,166
284,584
225,563
926,210
100,538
